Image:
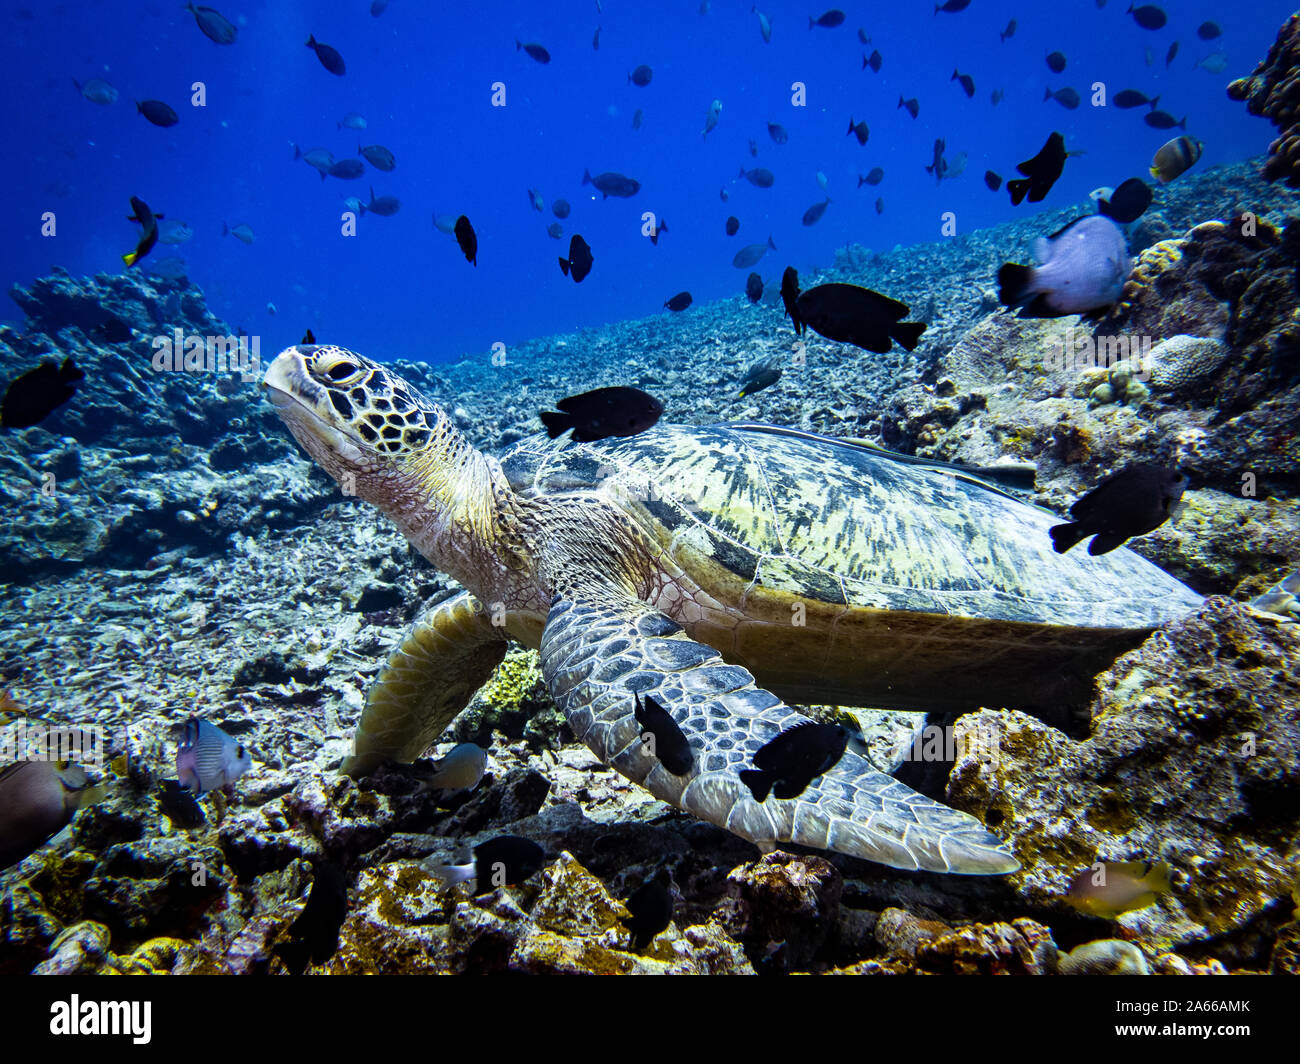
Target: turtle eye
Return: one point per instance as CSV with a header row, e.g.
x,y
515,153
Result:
x,y
340,370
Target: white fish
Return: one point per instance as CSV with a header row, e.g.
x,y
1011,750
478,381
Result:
x,y
445,223
208,758
1079,268
711,119
460,770
821,180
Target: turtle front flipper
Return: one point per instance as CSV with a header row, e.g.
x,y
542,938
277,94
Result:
x,y
597,658
443,658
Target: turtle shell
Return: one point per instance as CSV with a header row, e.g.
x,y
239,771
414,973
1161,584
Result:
x,y
827,567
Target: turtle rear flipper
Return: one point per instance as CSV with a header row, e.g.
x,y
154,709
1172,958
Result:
x,y
597,658
443,658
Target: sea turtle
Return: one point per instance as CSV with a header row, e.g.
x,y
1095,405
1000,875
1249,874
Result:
x,y
719,569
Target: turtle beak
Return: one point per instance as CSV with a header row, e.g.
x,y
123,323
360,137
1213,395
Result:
x,y
304,406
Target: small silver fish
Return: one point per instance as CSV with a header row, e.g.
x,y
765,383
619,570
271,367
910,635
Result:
x,y
208,758
460,770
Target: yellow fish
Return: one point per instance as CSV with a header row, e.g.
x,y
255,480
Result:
x,y
1110,888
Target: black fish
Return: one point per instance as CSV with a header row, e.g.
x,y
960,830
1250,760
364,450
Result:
x,y
854,315
759,177
952,6
680,301
34,396
662,227
329,57
1066,97
467,239
913,108
834,17
876,176
1056,62
790,297
346,169
671,746
778,133
579,261
875,61
157,112
814,213
880,205
1208,31
760,375
555,230
604,412
641,76
314,935
754,287
860,131
612,184
966,81
862,36
378,156
1169,55
1163,120
180,806
215,26
992,180
733,225
1133,502
753,147
560,208
141,213
1128,98
505,860
1127,203
636,118
1009,32
112,330
938,166
791,761
651,906
1040,173
1148,16
536,51
309,338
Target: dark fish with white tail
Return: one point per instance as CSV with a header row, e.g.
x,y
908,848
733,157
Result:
x,y
499,862
603,412
679,302
1127,203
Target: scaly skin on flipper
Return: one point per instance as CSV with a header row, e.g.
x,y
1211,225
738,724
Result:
x,y
595,657
443,658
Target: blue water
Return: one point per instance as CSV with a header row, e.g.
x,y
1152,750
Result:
x,y
423,76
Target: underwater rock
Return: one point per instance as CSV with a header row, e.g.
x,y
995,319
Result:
x,y
1110,956
1194,759
1273,92
81,949
900,933
1021,947
782,899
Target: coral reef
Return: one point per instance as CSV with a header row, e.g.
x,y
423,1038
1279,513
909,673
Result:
x,y
1273,92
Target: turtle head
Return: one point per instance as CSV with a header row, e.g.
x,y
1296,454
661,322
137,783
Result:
x,y
386,443
352,415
